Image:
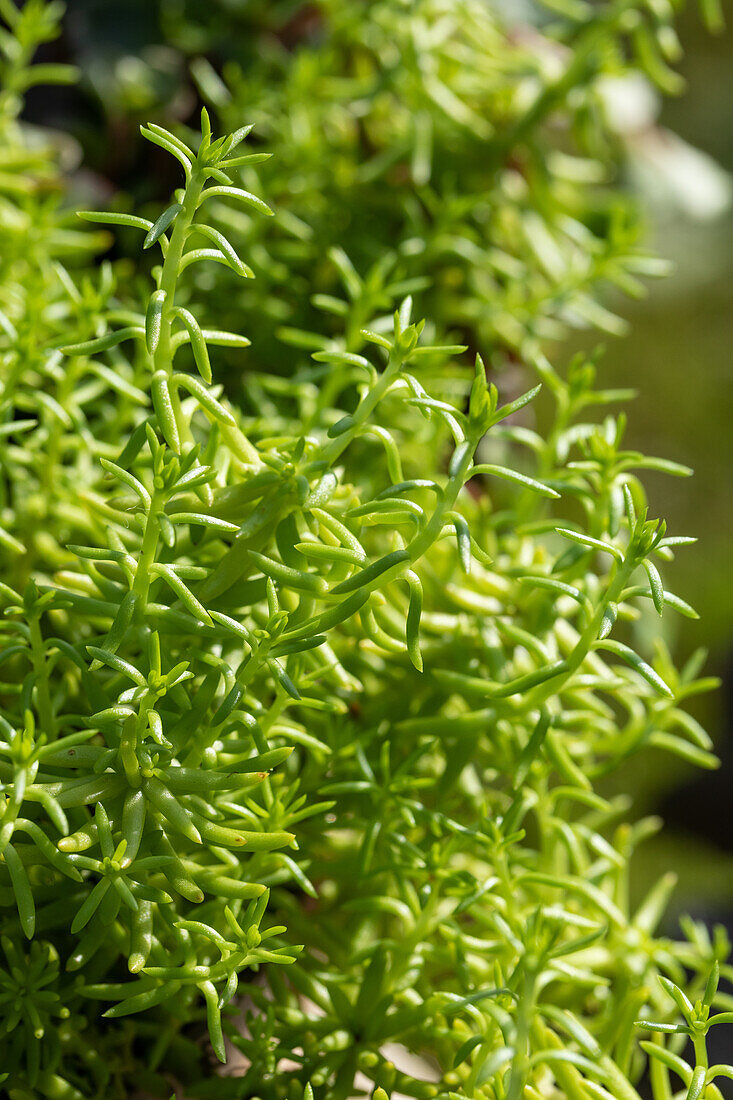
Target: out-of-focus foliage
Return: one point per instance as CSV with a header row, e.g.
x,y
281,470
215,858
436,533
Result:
x,y
316,654
477,155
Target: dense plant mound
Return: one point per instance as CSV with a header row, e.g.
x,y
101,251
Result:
x,y
306,704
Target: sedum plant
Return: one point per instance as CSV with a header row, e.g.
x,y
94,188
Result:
x,y
310,701
476,144
54,422
292,666
468,149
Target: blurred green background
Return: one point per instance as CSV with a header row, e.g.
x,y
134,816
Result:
x,y
678,355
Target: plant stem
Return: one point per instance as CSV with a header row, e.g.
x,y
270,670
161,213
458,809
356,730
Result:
x,y
45,705
163,355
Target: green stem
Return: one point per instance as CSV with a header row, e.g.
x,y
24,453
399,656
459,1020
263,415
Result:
x,y
335,447
659,1077
131,730
525,1013
701,1050
43,694
163,355
420,545
582,647
141,584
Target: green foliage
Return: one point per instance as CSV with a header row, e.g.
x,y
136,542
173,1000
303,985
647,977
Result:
x,y
308,698
697,1023
433,145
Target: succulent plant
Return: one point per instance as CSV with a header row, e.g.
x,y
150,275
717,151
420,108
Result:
x,y
309,699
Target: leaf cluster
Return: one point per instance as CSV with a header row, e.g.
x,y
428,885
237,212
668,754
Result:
x,y
308,698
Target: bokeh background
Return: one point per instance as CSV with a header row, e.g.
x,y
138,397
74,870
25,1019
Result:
x,y
678,354
132,56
